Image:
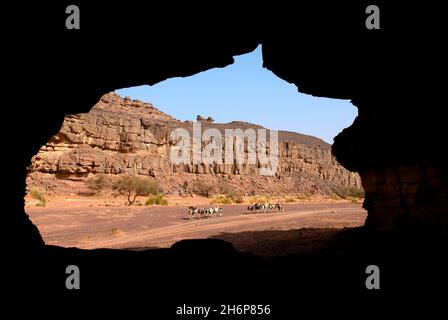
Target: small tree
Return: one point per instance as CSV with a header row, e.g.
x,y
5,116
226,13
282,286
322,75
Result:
x,y
133,186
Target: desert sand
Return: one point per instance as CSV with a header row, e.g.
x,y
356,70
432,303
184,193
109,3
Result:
x,y
92,223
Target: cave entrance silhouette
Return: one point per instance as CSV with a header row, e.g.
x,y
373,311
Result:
x,y
326,51
81,169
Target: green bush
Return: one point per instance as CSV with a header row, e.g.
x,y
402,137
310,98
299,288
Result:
x,y
260,199
334,196
117,231
348,192
290,199
134,186
236,197
96,183
156,199
221,200
304,196
38,195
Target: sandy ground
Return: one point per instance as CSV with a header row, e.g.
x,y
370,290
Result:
x,y
89,224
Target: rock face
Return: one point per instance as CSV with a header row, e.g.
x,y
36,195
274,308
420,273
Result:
x,y
124,136
401,120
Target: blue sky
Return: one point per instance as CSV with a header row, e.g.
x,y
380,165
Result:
x,y
246,91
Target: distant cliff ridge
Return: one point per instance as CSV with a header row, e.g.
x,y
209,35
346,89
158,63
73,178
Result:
x,y
125,136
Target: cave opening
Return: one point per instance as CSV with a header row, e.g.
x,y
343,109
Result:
x,y
107,178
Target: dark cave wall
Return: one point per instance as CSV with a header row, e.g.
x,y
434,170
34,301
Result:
x,y
397,149
322,48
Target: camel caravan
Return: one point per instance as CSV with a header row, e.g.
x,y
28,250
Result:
x,y
213,211
265,207
209,212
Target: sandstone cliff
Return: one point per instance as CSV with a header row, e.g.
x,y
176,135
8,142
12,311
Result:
x,y
120,135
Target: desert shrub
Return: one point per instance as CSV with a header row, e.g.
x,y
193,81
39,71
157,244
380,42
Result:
x,y
38,195
334,196
347,192
304,196
290,199
117,231
236,196
134,186
238,199
96,183
221,199
204,189
42,203
156,199
260,199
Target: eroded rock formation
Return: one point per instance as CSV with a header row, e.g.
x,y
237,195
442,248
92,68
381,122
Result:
x,y
124,136
323,48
